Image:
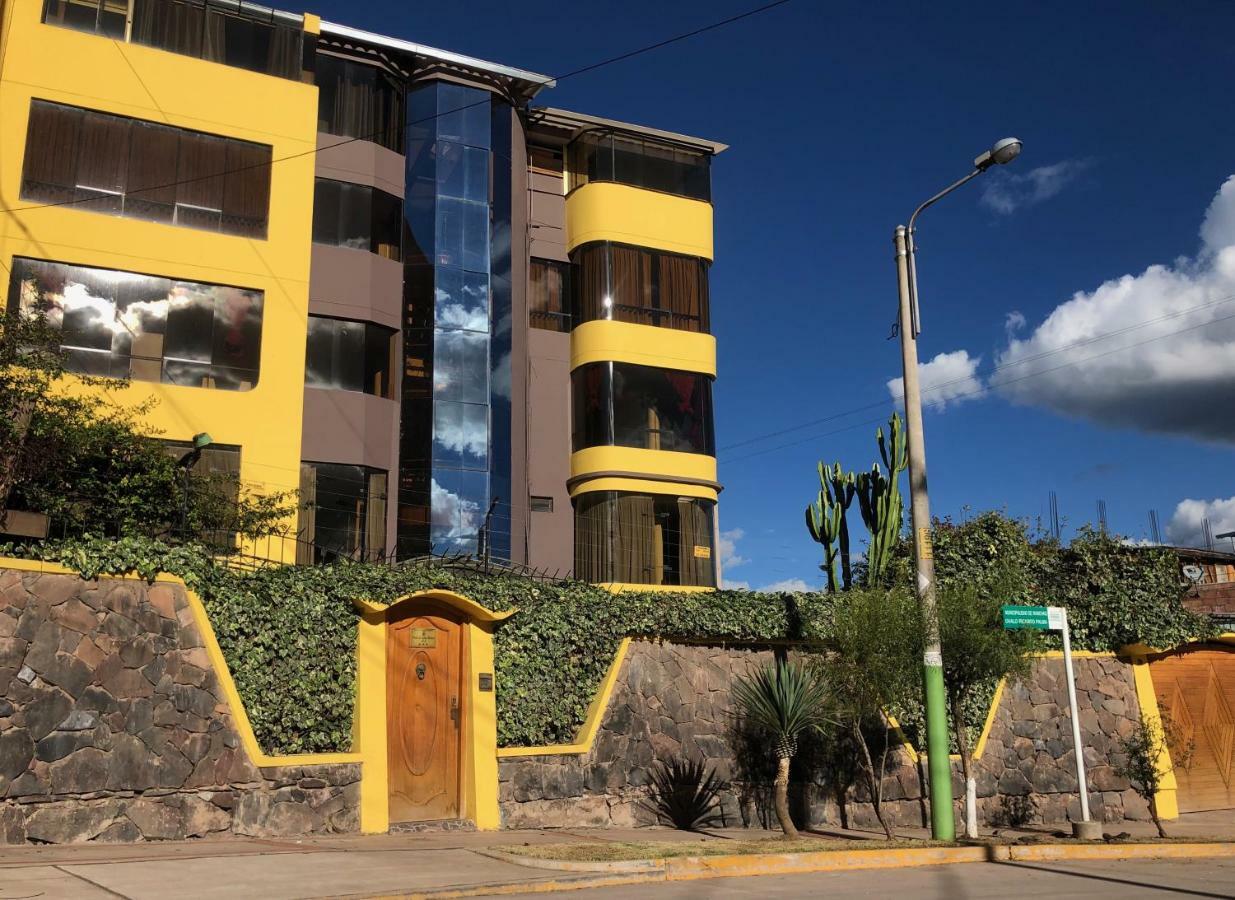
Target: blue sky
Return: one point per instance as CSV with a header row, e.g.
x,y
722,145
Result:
x,y
841,118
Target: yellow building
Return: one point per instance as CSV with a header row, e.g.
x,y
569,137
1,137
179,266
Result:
x,y
373,272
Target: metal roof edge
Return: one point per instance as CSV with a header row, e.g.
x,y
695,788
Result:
x,y
532,79
564,118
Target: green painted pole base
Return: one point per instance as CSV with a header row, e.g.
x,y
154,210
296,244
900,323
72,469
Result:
x,y
939,766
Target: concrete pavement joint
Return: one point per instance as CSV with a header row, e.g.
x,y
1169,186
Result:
x,y
91,882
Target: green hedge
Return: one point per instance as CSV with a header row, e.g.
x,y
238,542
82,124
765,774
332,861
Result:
x,y
289,633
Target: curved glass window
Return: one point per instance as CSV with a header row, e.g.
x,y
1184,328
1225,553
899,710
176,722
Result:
x,y
117,324
625,405
358,101
357,216
350,356
144,170
641,286
628,538
640,162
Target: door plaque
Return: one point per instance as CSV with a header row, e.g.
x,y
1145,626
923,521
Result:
x,y
424,637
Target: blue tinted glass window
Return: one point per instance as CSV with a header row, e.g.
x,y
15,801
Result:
x,y
463,115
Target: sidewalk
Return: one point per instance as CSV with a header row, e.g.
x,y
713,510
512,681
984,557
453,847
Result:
x,y
365,866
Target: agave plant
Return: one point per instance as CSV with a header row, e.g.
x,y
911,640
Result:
x,y
786,700
686,794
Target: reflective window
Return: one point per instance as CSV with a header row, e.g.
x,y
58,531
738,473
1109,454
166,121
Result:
x,y
216,473
357,216
342,513
640,162
129,167
350,356
548,296
645,287
105,17
117,324
359,101
243,35
625,405
629,538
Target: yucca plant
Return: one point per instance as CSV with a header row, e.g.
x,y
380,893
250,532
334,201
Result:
x,y
686,794
786,700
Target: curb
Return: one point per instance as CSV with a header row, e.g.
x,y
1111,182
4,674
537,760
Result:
x,y
581,875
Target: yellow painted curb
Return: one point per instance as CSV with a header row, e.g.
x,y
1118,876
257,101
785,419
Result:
x,y
1055,852
687,868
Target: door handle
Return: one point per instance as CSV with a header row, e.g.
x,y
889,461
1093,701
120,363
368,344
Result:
x,y
454,710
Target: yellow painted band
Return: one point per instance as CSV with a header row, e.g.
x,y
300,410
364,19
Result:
x,y
644,486
618,587
1167,797
637,461
644,345
602,211
312,24
586,735
990,719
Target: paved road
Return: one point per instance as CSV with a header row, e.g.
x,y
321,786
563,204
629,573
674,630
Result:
x,y
1161,880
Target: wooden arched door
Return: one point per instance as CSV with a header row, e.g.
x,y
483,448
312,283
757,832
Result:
x,y
424,711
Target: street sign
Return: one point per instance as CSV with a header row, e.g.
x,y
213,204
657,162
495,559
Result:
x,y
1041,618
1026,617
1055,618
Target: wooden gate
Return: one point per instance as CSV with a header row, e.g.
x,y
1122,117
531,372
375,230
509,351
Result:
x,y
424,669
1196,689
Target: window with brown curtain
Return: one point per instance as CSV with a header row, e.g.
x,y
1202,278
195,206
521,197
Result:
x,y
628,405
640,161
549,295
641,286
631,538
143,170
359,101
342,513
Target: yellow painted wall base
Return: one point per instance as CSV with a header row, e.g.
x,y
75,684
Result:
x,y
1167,798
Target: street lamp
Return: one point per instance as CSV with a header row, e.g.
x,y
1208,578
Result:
x,y
1227,534
201,441
940,769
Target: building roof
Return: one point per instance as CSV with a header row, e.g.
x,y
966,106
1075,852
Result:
x,y
576,123
522,83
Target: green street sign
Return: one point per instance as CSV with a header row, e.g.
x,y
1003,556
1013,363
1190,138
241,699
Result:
x,y
1036,617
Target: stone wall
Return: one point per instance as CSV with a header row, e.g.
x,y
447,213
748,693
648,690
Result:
x,y
673,701
114,727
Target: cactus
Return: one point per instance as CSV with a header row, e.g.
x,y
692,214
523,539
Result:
x,y
880,500
827,522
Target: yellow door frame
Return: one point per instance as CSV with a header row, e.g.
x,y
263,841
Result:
x,y
478,769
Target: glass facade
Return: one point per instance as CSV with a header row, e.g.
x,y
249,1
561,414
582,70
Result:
x,y
641,286
350,356
357,216
629,538
359,101
117,324
625,405
342,513
455,434
143,170
640,162
243,35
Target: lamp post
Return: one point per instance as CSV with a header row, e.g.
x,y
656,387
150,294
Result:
x,y
201,441
943,828
1227,534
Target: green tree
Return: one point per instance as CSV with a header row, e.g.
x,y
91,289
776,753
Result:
x,y
785,700
872,663
82,458
977,652
1144,759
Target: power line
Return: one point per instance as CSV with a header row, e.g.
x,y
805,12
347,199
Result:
x,y
630,54
992,384
1023,360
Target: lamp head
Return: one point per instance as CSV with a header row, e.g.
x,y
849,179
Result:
x,y
1001,154
201,441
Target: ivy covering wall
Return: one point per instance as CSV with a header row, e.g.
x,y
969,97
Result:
x,y
289,633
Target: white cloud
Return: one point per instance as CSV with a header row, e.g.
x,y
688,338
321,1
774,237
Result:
x,y
729,556
1005,192
736,585
789,585
1185,529
1167,376
454,517
1013,323
948,378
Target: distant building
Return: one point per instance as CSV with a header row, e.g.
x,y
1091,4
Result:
x,y
1210,575
374,273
